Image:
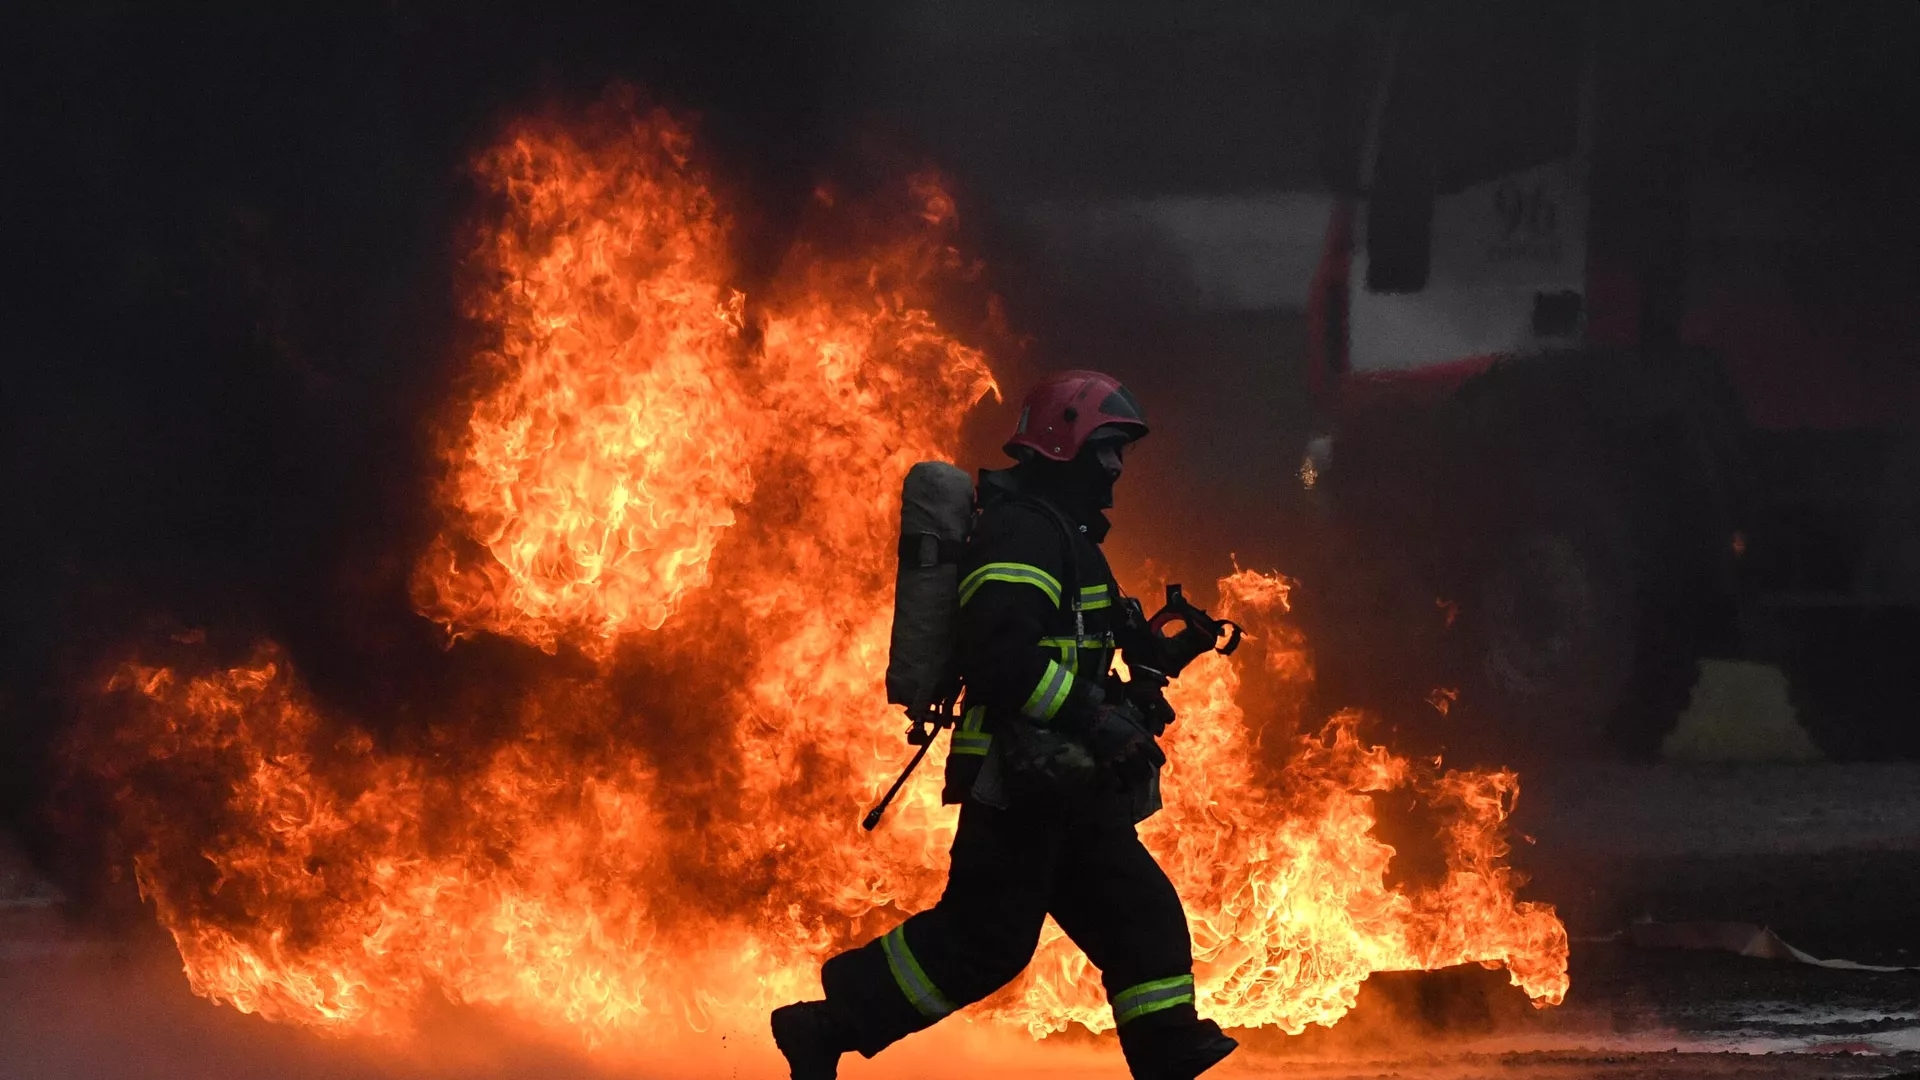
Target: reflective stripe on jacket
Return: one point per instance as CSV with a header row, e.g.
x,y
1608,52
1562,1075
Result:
x,y
1036,627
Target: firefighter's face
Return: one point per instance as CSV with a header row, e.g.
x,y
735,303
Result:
x,y
1098,467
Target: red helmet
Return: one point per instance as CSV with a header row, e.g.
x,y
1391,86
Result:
x,y
1063,409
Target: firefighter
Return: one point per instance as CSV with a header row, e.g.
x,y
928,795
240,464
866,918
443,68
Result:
x,y
1052,765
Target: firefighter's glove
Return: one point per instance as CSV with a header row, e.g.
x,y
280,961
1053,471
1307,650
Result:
x,y
1155,713
1145,690
1144,648
1117,738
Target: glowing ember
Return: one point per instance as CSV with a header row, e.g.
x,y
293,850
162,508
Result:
x,y
708,513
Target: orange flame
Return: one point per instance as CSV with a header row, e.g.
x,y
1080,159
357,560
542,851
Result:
x,y
595,478
642,479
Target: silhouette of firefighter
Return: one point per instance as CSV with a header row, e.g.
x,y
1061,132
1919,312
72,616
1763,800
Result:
x,y
1053,763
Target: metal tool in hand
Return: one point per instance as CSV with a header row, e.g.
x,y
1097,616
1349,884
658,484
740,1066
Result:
x,y
1161,656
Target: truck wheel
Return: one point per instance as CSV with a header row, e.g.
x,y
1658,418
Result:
x,y
1553,548
1603,497
1550,633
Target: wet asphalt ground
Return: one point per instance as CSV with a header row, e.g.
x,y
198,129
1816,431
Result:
x,y
1826,856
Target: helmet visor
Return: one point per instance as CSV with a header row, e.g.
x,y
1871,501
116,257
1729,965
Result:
x,y
1122,405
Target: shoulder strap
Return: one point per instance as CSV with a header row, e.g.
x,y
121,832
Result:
x,y
1070,584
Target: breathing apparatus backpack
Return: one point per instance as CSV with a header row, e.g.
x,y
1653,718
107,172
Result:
x,y
936,513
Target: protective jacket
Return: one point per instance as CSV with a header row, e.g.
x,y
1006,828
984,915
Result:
x,y
1038,611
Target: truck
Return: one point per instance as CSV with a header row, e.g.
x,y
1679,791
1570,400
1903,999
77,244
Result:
x,y
1615,362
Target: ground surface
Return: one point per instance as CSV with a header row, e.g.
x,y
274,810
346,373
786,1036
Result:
x,y
1827,855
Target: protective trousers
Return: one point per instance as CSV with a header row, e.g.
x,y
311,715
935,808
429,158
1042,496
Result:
x,y
1082,864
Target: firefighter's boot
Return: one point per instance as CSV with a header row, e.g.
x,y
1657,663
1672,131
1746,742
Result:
x,y
1178,1054
811,1038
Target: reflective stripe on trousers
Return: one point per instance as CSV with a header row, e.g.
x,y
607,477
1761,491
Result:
x,y
912,980
1150,997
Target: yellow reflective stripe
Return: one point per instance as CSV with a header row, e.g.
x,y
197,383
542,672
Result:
x,y
1014,573
911,979
1088,642
1069,650
1049,693
971,745
968,739
1094,597
1151,997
